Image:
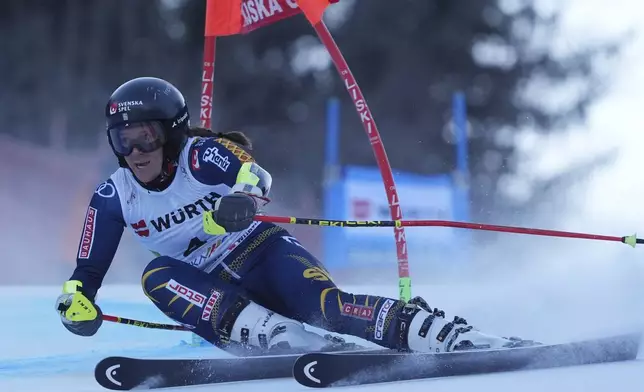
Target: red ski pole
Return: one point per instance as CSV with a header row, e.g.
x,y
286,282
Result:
x,y
631,240
144,324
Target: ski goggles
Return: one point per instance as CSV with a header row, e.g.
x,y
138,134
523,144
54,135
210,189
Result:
x,y
146,136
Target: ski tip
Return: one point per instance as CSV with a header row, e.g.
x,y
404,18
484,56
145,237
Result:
x,y
308,371
108,373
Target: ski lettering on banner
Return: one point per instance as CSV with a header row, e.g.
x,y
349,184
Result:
x,y
243,16
260,13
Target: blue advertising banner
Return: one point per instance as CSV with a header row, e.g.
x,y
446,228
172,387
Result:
x,y
358,195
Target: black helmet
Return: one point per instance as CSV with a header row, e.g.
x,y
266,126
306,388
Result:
x,y
154,104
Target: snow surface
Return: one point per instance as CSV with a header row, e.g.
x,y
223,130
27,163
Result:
x,y
37,353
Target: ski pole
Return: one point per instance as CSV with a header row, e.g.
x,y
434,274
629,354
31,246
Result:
x,y
144,324
631,240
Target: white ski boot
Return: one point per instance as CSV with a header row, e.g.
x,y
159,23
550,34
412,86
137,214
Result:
x,y
259,329
429,331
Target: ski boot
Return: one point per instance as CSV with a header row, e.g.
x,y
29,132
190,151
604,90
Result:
x,y
337,343
259,331
326,343
429,331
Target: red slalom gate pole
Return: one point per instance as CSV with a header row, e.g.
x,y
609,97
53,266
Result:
x,y
369,124
207,75
229,17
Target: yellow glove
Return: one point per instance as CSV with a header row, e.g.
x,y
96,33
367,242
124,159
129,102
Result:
x,y
79,314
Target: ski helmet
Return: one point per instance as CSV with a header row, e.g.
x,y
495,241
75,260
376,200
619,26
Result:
x,y
153,104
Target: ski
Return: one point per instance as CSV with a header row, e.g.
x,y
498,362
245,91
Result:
x,y
319,370
123,373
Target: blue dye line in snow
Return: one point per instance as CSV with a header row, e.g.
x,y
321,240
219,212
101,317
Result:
x,y
41,326
86,361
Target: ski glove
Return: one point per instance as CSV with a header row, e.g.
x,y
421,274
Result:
x,y
80,315
233,212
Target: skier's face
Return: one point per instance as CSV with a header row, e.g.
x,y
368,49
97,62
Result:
x,y
146,166
141,144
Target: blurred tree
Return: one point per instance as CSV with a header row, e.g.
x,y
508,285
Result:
x,y
409,56
63,58
503,60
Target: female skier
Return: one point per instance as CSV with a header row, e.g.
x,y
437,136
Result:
x,y
251,284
